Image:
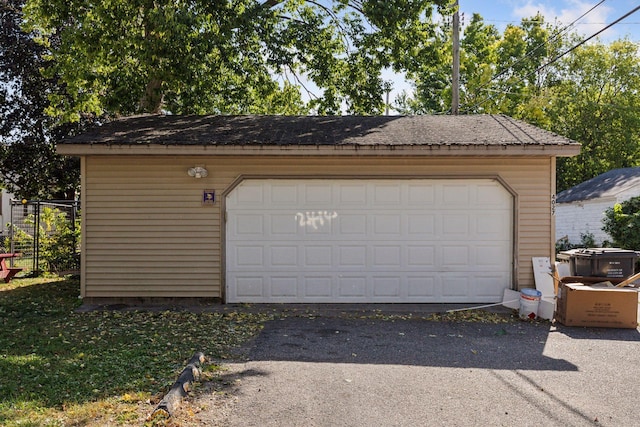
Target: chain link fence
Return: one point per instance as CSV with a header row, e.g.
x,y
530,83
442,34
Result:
x,y
47,234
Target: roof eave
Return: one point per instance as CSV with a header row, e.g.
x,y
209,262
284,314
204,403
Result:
x,y
560,150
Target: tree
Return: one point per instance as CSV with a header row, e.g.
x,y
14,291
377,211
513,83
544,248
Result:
x,y
622,223
478,63
589,95
599,107
202,56
431,80
29,166
498,72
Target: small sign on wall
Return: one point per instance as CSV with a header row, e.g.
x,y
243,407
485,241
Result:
x,y
208,197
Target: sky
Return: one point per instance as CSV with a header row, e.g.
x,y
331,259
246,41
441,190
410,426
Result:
x,y
504,12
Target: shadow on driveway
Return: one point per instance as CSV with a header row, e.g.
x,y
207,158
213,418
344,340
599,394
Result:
x,y
512,346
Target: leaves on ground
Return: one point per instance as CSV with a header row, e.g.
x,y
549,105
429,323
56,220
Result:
x,y
61,367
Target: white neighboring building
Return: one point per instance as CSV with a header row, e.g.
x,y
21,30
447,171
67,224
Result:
x,y
580,209
5,211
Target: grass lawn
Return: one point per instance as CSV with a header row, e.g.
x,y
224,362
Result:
x,y
61,368
111,368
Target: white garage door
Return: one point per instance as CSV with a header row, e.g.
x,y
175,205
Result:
x,y
368,241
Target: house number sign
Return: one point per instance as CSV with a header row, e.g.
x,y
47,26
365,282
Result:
x,y
208,197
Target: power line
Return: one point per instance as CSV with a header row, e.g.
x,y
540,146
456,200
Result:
x,y
536,20
549,96
586,40
535,49
567,51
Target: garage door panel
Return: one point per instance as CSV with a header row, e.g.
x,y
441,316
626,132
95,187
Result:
x,y
386,256
490,195
249,287
455,225
385,287
318,256
368,241
248,256
485,285
490,225
353,256
251,194
352,286
490,256
455,286
284,195
421,256
352,224
455,256
318,286
387,224
283,224
318,194
284,286
316,222
386,195
456,194
422,224
421,287
422,195
284,256
249,224
352,194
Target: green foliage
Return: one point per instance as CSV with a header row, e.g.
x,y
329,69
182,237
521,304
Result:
x,y
497,71
69,64
589,95
198,56
477,61
600,108
21,239
622,223
122,57
587,240
29,165
58,239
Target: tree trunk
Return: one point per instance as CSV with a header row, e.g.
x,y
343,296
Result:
x,y
153,97
181,387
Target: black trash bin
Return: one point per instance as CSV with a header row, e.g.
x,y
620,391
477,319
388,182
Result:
x,y
601,262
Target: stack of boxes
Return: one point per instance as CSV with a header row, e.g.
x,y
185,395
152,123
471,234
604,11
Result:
x,y
589,297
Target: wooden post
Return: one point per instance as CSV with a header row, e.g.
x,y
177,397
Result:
x,y
455,79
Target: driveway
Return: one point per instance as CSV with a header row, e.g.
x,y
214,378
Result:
x,y
332,371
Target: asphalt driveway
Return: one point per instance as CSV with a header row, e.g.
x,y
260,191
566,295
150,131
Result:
x,y
332,371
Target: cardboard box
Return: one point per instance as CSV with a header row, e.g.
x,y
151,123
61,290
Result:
x,y
593,306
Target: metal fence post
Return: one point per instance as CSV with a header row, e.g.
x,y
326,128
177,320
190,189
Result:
x,y
36,239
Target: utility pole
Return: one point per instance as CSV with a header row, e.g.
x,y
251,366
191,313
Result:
x,y
386,86
455,79
387,102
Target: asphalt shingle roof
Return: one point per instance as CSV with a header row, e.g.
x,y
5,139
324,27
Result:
x,y
607,184
464,130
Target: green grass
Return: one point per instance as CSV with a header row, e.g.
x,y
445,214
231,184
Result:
x,y
59,367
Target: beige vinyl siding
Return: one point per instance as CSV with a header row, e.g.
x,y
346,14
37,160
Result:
x,y
147,233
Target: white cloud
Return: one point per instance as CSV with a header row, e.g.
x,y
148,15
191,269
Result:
x,y
568,11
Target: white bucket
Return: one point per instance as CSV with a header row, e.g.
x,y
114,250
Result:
x,y
529,303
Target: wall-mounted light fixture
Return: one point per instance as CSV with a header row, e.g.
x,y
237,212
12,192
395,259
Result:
x,y
197,172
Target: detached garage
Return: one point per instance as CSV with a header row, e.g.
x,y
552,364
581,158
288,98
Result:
x,y
315,209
